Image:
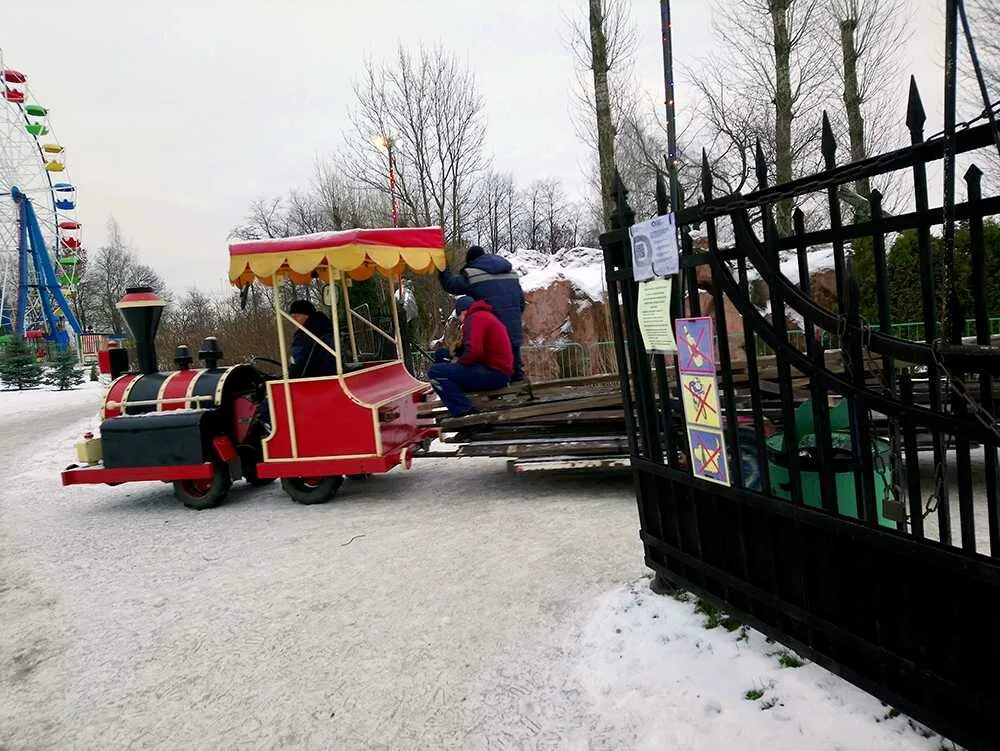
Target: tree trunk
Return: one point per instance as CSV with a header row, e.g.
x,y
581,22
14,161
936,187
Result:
x,y
852,102
783,113
602,104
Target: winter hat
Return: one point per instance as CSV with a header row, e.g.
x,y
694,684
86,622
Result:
x,y
303,307
462,304
473,253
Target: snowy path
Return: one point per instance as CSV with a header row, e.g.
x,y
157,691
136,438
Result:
x,y
450,607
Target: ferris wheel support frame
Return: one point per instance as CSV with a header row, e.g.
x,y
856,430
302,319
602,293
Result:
x,y
32,248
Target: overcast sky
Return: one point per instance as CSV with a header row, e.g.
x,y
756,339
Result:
x,y
176,115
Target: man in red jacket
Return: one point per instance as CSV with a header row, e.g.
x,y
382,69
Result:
x,y
485,359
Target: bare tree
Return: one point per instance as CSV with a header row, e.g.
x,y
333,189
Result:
x,y
771,87
984,23
426,107
266,218
868,35
494,212
604,48
110,272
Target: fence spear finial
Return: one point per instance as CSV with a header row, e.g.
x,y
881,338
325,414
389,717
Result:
x,y
760,166
662,200
915,115
828,142
706,176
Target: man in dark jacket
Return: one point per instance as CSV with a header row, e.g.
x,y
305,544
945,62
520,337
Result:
x,y
485,360
309,359
489,277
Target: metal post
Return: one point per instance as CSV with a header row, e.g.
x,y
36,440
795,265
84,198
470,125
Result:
x,y
668,81
283,349
951,314
350,318
392,182
395,317
332,285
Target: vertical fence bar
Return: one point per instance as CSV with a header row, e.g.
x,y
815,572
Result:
x,y
818,392
915,119
791,439
892,485
850,345
912,459
660,360
862,446
977,245
722,333
753,377
621,219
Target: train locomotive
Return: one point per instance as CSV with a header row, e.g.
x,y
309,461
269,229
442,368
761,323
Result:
x,y
201,428
195,427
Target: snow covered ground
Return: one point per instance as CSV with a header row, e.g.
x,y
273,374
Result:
x,y
450,607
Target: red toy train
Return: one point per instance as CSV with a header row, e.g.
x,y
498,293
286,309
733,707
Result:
x,y
199,428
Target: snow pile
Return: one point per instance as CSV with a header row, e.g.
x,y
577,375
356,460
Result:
x,y
651,671
818,258
581,267
647,672
44,400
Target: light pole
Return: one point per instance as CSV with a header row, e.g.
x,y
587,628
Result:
x,y
668,84
387,143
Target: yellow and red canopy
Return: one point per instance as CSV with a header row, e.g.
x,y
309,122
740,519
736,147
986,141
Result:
x,y
357,252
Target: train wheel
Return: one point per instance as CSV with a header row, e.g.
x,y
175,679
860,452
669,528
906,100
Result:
x,y
309,490
203,494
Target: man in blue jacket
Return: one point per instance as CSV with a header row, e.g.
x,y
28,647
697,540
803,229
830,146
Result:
x,y
309,359
489,277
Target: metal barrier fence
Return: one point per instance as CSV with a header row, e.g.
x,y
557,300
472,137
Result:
x,y
912,331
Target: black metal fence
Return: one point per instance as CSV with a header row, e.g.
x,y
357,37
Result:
x,y
869,541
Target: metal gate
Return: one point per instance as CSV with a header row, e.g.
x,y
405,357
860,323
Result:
x,y
873,547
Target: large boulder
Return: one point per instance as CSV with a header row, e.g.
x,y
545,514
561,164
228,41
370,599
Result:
x,y
565,304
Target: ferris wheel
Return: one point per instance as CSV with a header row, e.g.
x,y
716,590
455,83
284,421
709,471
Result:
x,y
41,253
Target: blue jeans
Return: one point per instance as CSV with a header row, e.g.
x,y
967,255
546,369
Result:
x,y
518,365
451,380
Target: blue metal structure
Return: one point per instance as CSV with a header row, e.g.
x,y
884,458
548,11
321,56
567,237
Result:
x,y
33,256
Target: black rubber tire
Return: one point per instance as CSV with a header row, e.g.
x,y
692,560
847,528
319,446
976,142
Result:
x,y
308,492
199,496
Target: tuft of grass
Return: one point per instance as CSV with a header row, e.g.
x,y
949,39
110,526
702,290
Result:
x,y
713,616
730,624
753,694
789,660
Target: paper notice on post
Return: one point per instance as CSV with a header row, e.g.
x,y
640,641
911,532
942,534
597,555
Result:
x,y
654,248
654,316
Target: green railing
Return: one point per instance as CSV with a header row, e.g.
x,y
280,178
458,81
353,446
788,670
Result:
x,y
911,331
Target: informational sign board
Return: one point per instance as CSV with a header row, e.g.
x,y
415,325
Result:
x,y
654,248
700,393
654,316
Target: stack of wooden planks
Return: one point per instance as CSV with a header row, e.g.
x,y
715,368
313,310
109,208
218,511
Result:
x,y
578,424
571,424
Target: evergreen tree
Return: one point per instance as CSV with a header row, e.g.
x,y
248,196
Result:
x,y
19,368
65,372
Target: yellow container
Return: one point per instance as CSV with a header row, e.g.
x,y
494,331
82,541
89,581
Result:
x,y
88,451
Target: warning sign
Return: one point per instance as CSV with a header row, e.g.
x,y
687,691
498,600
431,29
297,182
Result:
x,y
708,455
701,400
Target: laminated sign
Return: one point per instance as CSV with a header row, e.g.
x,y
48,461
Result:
x,y
700,393
654,248
654,316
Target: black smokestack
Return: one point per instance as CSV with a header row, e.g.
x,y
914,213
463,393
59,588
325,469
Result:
x,y
141,308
